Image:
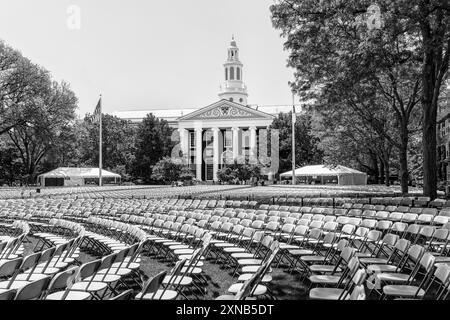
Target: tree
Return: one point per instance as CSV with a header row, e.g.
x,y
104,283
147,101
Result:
x,y
118,144
54,110
10,164
234,172
306,143
20,82
169,170
330,44
153,142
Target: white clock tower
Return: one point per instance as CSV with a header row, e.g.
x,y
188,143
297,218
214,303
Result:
x,y
233,89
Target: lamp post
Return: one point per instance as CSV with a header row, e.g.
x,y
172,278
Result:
x,y
294,119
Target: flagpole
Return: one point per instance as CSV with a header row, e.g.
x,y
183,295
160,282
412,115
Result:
x,y
100,155
294,118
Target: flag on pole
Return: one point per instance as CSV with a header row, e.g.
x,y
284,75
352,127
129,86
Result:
x,y
96,117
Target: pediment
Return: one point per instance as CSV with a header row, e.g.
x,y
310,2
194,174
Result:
x,y
225,109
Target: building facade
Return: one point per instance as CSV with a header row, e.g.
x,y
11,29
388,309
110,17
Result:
x,y
227,130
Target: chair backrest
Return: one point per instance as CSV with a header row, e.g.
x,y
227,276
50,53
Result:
x,y
89,268
362,232
399,227
341,245
59,281
441,234
316,224
315,233
358,293
8,294
330,226
427,231
347,253
153,284
415,252
9,267
288,228
402,245
348,229
329,238
33,290
359,277
390,239
442,273
266,241
30,261
126,295
369,223
301,230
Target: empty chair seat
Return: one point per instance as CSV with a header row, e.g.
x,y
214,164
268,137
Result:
x,y
354,212
368,207
421,201
402,209
379,207
369,213
432,211
391,208
416,210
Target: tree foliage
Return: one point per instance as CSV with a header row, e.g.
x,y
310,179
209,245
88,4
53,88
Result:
x,y
168,170
343,63
153,142
306,142
239,172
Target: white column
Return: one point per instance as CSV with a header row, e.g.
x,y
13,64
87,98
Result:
x,y
215,152
198,150
235,142
253,146
184,143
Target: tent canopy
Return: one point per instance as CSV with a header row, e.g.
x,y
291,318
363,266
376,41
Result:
x,y
321,170
78,172
345,175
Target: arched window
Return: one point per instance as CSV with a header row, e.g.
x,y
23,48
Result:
x,y
231,99
226,73
241,100
231,73
238,73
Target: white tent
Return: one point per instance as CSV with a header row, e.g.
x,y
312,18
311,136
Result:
x,y
328,174
76,177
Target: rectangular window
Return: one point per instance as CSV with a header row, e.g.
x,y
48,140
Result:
x,y
192,138
228,139
209,137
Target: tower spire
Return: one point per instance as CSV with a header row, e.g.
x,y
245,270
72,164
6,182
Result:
x,y
233,89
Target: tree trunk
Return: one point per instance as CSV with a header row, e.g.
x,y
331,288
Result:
x,y
429,154
386,174
382,177
429,106
404,177
376,171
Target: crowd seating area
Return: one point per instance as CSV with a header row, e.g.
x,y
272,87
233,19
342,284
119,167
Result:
x,y
384,248
96,192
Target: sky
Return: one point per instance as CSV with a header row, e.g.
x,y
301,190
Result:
x,y
146,54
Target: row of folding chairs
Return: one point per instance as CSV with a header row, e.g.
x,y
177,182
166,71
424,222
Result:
x,y
12,238
390,208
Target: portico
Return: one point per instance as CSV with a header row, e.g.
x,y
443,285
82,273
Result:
x,y
219,134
